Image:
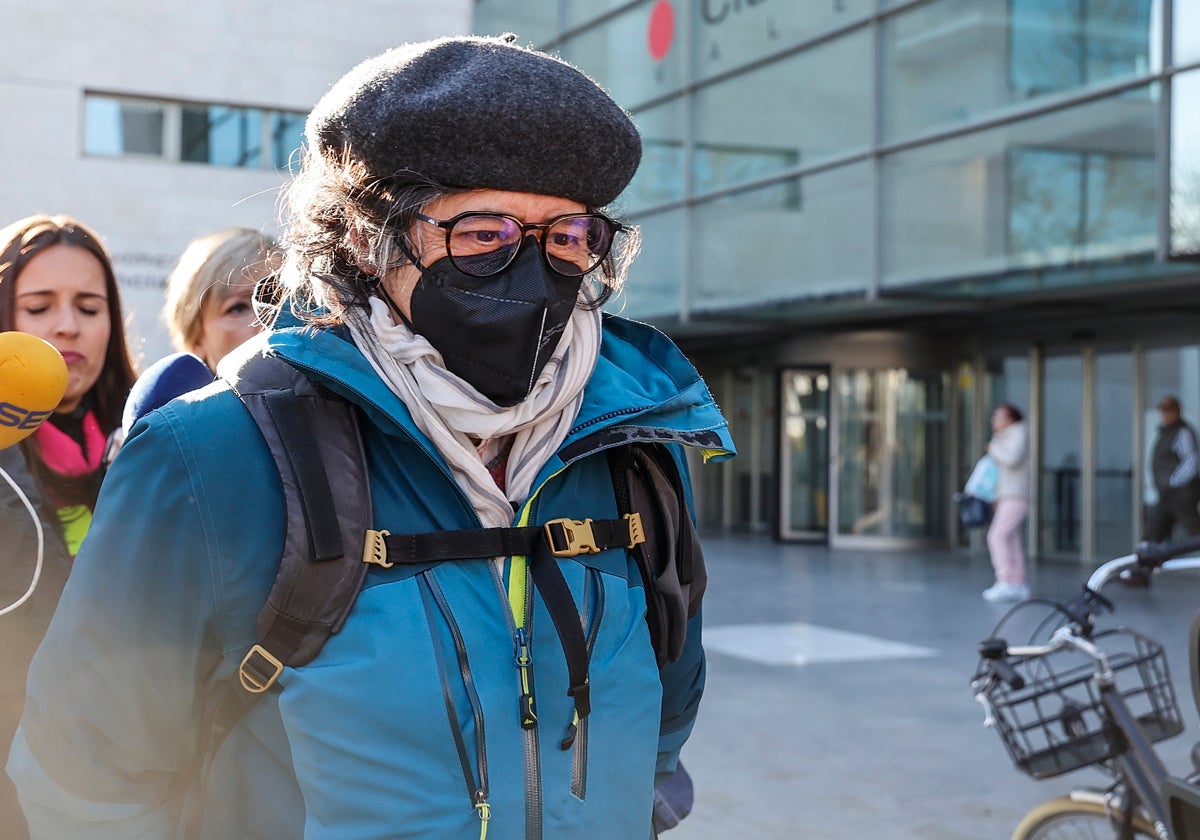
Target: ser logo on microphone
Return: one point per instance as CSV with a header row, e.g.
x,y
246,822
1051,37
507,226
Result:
x,y
15,417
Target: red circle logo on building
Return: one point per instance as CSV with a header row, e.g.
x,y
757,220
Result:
x,y
662,29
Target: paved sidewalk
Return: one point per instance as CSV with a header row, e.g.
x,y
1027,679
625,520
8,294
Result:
x,y
882,741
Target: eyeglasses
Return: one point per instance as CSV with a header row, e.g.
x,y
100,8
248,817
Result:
x,y
483,244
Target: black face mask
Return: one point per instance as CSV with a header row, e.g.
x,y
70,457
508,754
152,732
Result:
x,y
497,332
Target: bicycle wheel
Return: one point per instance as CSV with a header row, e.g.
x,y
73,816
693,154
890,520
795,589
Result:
x,y
1065,818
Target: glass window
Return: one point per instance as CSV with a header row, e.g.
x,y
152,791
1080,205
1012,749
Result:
x,y
1059,473
1185,19
579,12
804,449
785,242
1066,200
287,134
891,463
1114,453
810,106
221,135
729,33
660,176
630,57
954,61
1185,163
1008,382
1059,45
653,287
534,21
1074,185
123,127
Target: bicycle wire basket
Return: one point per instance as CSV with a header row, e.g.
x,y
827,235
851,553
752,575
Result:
x,y
1057,722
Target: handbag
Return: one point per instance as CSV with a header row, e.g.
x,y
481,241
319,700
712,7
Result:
x,y
973,512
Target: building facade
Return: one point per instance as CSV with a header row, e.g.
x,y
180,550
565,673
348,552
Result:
x,y
869,221
156,122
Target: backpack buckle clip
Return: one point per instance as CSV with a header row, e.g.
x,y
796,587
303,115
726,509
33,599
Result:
x,y
259,670
637,535
570,537
375,549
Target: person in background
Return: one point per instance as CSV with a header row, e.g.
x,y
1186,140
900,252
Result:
x,y
210,310
447,256
1009,448
1175,470
210,292
1175,466
57,283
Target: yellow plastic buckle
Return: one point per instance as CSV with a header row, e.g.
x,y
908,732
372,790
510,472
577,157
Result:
x,y
637,536
253,675
375,549
578,536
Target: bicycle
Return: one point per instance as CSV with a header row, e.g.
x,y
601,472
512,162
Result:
x,y
1088,698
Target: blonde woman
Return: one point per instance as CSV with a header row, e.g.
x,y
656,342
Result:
x,y
209,307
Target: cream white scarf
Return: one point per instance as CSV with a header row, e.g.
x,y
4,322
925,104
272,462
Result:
x,y
450,411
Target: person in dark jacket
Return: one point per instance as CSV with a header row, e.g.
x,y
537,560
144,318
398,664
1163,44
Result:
x,y
1175,466
447,255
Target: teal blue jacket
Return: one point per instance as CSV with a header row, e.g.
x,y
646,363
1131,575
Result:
x,y
412,708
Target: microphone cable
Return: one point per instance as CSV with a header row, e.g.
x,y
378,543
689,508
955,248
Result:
x,y
41,544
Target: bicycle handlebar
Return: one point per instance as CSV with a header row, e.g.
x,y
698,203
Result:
x,y
1081,609
1148,556
994,651
1151,555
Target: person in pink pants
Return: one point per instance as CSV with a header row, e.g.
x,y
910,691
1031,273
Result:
x,y
1009,448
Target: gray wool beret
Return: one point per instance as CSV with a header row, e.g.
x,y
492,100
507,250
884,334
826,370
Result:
x,y
480,113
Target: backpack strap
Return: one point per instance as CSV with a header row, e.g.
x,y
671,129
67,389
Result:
x,y
312,434
543,545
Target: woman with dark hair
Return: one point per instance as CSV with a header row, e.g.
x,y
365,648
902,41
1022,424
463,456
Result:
x,y
57,283
1009,448
450,243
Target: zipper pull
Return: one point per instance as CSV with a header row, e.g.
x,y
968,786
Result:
x,y
484,810
572,728
524,659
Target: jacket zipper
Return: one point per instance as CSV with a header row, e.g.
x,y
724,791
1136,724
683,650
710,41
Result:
x,y
579,764
533,761
478,792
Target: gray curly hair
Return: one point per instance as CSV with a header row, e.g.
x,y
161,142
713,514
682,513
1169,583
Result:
x,y
346,227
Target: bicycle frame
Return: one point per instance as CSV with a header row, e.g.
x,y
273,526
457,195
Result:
x,y
1139,763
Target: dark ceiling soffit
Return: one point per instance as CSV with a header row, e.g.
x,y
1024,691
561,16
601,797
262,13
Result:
x,y
1089,287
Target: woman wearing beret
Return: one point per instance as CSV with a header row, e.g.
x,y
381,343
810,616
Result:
x,y
445,265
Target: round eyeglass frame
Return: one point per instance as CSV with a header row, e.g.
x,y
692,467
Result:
x,y
447,225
